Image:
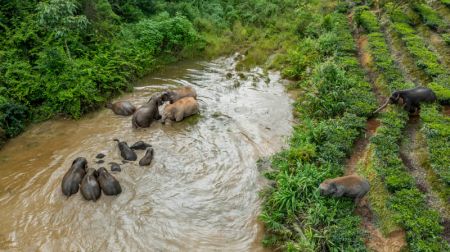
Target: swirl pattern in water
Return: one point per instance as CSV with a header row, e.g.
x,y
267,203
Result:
x,y
199,193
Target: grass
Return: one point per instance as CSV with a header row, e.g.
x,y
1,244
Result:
x,y
400,193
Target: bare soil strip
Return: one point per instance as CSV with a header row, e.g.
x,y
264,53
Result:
x,y
375,241
404,61
410,150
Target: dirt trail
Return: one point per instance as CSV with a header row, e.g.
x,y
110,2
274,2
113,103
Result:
x,y
404,61
435,43
410,153
375,241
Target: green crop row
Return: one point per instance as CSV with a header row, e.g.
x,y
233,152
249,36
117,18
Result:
x,y
437,130
441,87
387,163
430,17
333,112
426,59
446,2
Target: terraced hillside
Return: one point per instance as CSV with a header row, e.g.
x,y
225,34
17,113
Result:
x,y
348,59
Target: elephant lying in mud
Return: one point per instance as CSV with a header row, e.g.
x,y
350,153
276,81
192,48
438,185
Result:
x,y
147,113
124,108
177,94
351,186
72,179
410,99
180,109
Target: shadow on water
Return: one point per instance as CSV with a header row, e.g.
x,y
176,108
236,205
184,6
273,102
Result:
x,y
199,193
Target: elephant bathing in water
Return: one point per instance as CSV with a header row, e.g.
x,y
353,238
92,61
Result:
x,y
147,113
90,188
108,183
180,109
124,108
410,99
175,95
72,179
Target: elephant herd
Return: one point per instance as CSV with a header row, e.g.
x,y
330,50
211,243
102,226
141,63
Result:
x,y
177,105
181,103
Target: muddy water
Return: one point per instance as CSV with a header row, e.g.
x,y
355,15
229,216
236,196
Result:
x,y
199,193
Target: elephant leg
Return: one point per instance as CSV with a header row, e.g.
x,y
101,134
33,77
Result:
x,y
178,116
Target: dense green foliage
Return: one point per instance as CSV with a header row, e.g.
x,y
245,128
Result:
x,y
333,114
430,17
422,225
69,56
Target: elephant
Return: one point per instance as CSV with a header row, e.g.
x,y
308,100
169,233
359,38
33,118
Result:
x,y
410,99
108,183
140,145
180,109
125,151
177,94
124,108
351,186
148,112
72,179
90,188
115,167
147,158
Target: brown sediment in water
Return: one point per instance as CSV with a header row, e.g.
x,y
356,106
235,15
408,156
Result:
x,y
199,193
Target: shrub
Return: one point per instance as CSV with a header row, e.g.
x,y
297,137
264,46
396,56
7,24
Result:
x,y
430,17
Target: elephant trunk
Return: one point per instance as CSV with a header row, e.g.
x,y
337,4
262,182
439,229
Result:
x,y
382,107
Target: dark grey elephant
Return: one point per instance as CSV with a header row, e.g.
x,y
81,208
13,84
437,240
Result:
x,y
410,99
124,108
148,112
72,179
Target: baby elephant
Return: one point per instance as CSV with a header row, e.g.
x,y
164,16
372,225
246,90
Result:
x,y
147,158
180,109
124,108
108,183
351,186
72,179
125,151
90,188
175,95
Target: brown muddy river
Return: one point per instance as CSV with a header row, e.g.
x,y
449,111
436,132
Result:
x,y
199,193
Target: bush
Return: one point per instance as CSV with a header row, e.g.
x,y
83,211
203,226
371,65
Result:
x,y
430,17
367,20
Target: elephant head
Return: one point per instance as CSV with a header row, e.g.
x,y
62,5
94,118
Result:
x,y
394,99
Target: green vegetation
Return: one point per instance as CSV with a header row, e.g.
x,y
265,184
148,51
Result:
x,y
446,2
407,204
68,57
430,17
333,115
